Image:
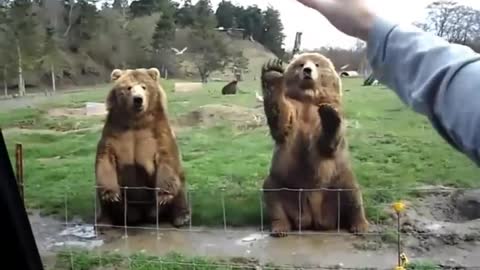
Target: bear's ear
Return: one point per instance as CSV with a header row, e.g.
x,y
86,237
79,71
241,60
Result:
x,y
154,73
116,73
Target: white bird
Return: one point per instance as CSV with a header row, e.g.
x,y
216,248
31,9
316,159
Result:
x,y
177,52
258,97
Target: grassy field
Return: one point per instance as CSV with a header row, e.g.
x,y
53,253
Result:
x,y
392,148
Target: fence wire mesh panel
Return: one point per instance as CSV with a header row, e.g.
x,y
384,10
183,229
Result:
x,y
232,230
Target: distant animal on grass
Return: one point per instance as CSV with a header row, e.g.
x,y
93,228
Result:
x,y
138,162
231,88
303,106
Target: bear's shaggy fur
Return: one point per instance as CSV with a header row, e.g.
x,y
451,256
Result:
x,y
303,107
137,149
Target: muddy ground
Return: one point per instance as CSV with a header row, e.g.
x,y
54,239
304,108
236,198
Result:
x,y
438,227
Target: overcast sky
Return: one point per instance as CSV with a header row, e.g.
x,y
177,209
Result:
x,y
318,32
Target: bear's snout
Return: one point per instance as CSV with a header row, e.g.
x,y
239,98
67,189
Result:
x,y
307,72
138,97
138,101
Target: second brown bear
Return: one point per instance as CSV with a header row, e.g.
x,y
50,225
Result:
x,y
303,107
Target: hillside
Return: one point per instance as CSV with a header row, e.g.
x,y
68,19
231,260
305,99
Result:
x,y
255,52
81,69
90,41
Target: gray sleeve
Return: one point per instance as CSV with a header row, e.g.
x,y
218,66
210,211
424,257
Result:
x,y
433,77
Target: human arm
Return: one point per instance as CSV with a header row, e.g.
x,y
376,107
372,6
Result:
x,y
435,78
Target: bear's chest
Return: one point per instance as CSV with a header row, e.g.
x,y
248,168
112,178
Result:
x,y
137,148
308,120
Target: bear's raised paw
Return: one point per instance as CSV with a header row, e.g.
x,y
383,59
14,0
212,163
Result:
x,y
329,117
275,65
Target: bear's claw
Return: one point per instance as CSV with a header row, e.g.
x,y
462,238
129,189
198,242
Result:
x,y
280,229
163,199
273,65
110,196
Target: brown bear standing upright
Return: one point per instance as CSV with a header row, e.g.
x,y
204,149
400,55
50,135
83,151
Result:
x,y
303,107
138,150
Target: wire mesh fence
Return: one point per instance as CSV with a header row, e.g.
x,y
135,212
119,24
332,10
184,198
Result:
x,y
390,222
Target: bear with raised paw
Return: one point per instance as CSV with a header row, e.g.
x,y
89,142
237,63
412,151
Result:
x,y
303,106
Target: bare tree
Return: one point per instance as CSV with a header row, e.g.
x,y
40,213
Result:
x,y
52,11
452,21
21,80
71,5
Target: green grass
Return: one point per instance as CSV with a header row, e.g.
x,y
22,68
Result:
x,y
83,260
393,149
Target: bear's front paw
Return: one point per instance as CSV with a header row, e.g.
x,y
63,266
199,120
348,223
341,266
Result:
x,y
109,195
272,77
329,117
181,220
275,65
164,198
280,229
359,227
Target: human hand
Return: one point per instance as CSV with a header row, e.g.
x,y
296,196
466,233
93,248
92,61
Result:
x,y
352,17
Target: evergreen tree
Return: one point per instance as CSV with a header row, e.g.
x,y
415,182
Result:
x,y
273,36
164,33
139,8
204,16
225,14
185,16
251,19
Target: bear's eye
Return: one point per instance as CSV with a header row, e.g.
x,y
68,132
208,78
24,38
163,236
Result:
x,y
144,88
301,65
317,65
129,88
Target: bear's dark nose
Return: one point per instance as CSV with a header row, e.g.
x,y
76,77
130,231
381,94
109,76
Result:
x,y
137,101
307,71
